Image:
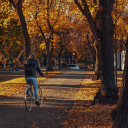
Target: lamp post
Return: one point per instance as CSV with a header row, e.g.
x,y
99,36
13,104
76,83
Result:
x,y
47,36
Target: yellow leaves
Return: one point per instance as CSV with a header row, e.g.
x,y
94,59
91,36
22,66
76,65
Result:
x,y
42,46
18,42
12,87
86,94
18,85
89,88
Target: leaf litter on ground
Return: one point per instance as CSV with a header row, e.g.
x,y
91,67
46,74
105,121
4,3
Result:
x,y
82,114
17,85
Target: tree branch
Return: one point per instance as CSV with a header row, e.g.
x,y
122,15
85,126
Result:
x,y
41,31
12,2
39,26
88,15
79,6
54,23
49,25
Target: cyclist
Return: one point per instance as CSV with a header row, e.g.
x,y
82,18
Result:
x,y
31,60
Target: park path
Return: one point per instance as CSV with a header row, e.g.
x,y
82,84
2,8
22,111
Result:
x,y
58,92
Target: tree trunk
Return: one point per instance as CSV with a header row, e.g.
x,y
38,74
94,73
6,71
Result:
x,y
98,57
97,75
48,55
108,93
89,45
120,114
121,42
23,25
59,60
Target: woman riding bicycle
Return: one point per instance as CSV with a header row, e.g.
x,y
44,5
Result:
x,y
31,75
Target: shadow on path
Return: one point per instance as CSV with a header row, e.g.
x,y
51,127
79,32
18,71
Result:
x,y
58,92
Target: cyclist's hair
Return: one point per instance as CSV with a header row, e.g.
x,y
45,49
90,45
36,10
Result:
x,y
31,56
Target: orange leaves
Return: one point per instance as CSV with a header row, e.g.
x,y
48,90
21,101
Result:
x,y
42,46
18,85
97,116
86,94
82,114
34,125
89,88
12,87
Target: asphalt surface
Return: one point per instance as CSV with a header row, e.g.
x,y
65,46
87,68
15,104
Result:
x,y
58,92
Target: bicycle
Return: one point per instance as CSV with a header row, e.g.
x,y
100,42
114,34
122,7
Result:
x,y
30,97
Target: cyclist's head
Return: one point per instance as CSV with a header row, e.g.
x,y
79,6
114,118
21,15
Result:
x,y
31,56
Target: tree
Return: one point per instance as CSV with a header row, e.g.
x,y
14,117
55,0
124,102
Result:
x,y
10,33
51,18
94,27
108,93
120,28
18,7
44,18
120,114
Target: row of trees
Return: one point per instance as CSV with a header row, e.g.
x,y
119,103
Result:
x,y
36,20
70,24
60,19
103,30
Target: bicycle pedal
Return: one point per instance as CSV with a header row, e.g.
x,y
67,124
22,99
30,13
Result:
x,y
29,99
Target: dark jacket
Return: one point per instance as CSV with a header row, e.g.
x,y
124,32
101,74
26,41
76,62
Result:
x,y
36,67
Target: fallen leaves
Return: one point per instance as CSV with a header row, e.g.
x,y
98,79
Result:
x,y
34,125
82,115
13,87
18,85
97,116
85,94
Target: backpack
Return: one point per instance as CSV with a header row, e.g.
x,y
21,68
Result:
x,y
29,69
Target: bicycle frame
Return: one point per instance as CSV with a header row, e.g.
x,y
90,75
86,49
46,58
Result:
x,y
29,97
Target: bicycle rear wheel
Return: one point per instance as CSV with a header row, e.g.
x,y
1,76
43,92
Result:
x,y
40,98
28,99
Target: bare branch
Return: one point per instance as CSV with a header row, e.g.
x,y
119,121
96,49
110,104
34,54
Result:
x,y
79,6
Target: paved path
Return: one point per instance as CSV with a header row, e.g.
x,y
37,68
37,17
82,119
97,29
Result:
x,y
58,92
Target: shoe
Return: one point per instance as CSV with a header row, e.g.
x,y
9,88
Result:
x,y
37,103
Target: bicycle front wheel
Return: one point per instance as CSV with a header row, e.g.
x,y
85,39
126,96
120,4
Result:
x,y
28,99
40,98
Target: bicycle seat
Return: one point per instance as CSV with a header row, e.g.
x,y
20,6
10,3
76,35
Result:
x,y
29,81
